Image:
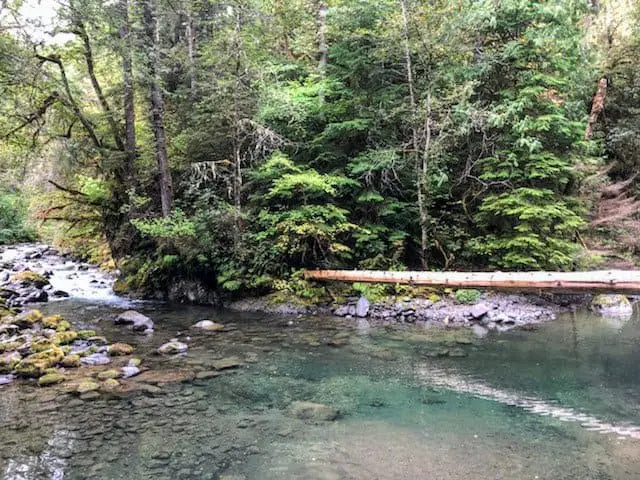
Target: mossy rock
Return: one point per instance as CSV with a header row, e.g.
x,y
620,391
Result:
x,y
32,367
11,346
63,338
8,361
109,385
52,321
610,301
41,345
53,355
28,319
63,326
86,334
71,361
27,277
51,379
135,362
119,349
87,386
109,374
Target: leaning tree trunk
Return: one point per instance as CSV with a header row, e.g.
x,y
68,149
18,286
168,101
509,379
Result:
x,y
150,18
597,107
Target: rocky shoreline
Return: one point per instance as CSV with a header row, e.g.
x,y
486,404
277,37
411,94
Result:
x,y
490,311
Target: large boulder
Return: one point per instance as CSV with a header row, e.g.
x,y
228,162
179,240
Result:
x,y
316,412
140,322
612,305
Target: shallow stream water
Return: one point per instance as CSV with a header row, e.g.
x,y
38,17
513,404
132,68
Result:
x,y
560,402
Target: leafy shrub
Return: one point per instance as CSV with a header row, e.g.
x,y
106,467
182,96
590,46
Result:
x,y
13,217
467,295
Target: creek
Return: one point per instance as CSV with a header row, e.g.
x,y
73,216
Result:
x,y
559,402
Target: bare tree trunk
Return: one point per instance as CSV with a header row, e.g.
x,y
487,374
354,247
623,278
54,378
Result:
x,y
128,95
237,154
191,48
323,48
597,107
422,162
150,16
422,191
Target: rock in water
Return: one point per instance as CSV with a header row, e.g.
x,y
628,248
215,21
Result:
x,y
362,307
129,371
209,326
480,331
317,412
172,347
6,379
96,359
226,363
612,305
140,322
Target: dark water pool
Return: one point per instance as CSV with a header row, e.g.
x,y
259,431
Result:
x,y
561,402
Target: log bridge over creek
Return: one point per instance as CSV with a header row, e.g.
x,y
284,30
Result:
x,y
604,281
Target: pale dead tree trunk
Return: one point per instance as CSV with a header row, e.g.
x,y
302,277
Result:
x,y
128,94
323,48
152,30
191,47
422,183
597,107
237,154
423,161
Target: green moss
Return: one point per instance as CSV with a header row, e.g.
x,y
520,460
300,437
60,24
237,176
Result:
x,y
28,319
11,346
71,361
87,386
31,367
27,277
86,334
52,355
110,384
51,379
52,321
464,295
63,326
41,345
8,361
63,338
109,374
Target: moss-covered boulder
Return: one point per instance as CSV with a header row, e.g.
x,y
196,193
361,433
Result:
x,y
87,386
32,367
52,321
53,355
8,361
63,326
51,379
109,374
63,338
11,345
611,305
119,349
41,345
86,334
27,277
109,385
28,319
71,361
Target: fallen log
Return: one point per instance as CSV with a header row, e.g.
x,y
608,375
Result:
x,y
619,281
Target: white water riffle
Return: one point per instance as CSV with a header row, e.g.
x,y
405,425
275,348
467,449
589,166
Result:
x,y
451,380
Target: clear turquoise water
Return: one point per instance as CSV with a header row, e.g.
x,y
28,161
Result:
x,y
405,414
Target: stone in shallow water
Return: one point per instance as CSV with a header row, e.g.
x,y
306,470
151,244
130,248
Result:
x,y
87,386
313,411
130,371
96,359
209,326
225,363
6,379
173,347
480,331
51,379
139,321
109,374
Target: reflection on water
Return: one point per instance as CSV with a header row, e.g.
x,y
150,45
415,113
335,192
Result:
x,y
408,411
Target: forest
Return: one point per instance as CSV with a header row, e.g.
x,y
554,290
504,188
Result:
x,y
235,143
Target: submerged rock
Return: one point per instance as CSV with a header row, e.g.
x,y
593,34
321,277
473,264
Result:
x,y
226,363
209,326
51,379
87,386
118,349
96,359
173,347
611,305
138,321
129,371
109,374
6,379
313,411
